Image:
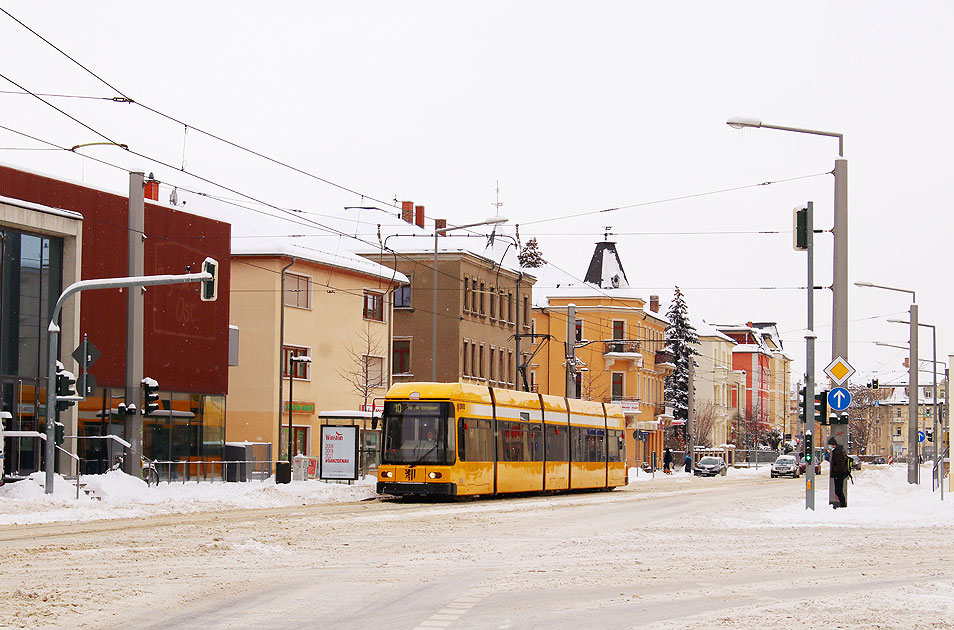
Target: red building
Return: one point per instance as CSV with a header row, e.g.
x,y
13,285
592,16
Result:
x,y
185,345
753,357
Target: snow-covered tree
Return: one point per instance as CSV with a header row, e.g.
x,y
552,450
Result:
x,y
681,342
530,256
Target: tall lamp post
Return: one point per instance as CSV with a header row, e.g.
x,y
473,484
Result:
x,y
438,232
839,307
938,469
912,380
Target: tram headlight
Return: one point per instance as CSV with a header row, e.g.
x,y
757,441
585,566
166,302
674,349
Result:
x,y
386,474
434,475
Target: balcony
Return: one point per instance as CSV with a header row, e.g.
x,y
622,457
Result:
x,y
664,363
627,351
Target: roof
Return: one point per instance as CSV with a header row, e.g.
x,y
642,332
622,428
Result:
x,y
707,330
271,232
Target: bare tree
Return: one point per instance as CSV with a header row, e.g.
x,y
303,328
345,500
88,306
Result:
x,y
705,419
366,369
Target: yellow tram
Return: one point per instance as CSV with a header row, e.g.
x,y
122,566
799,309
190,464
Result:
x,y
455,439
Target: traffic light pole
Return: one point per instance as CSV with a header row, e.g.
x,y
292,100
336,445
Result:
x,y
53,344
808,428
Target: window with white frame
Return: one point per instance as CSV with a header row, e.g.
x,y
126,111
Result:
x,y
296,369
373,370
373,306
297,290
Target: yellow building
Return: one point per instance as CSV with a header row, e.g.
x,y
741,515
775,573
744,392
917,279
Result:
x,y
618,345
320,344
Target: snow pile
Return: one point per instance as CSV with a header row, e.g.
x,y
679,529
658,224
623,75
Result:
x,y
118,495
880,497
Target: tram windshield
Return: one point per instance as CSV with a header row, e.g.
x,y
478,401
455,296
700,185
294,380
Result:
x,y
418,432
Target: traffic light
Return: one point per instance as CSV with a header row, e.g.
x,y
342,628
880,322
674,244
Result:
x,y
58,430
800,229
809,447
210,288
802,405
929,434
65,386
150,388
821,407
874,383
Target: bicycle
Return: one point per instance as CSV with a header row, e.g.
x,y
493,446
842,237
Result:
x,y
149,473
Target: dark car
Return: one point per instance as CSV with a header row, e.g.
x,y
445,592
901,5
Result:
x,y
786,466
710,467
803,465
878,460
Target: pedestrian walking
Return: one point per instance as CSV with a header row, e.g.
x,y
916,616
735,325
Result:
x,y
667,461
838,471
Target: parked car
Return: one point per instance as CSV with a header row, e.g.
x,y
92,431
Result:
x,y
710,466
878,459
785,465
855,462
803,465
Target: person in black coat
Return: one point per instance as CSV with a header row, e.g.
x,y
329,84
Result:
x,y
667,461
838,471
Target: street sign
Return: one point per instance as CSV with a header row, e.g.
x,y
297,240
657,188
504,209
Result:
x,y
92,353
839,399
839,370
920,436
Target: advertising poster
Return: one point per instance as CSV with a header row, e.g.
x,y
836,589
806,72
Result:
x,y
339,452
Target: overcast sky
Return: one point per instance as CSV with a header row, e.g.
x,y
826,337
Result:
x,y
572,107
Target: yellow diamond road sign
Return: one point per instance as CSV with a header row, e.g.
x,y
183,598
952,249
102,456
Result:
x,y
839,370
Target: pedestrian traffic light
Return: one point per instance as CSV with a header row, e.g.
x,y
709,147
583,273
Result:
x,y
821,407
800,229
929,434
802,405
210,288
58,433
150,389
809,447
65,386
874,383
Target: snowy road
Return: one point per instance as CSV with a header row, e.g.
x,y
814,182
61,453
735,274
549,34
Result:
x,y
708,553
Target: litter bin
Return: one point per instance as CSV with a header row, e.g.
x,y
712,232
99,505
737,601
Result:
x,y
282,472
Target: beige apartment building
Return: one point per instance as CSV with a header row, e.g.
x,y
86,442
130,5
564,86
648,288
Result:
x,y
720,389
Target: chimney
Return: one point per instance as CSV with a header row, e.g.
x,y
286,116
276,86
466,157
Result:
x,y
654,303
419,216
407,211
151,190
440,224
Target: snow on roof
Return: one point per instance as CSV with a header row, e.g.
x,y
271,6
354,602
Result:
x,y
705,329
29,205
269,232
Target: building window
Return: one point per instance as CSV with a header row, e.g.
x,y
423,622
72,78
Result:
x,y
526,311
468,294
480,361
401,356
483,291
296,369
510,307
402,296
502,375
373,371
509,366
617,386
297,290
493,303
493,356
473,358
473,296
374,306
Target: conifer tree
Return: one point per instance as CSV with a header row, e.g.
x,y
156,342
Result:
x,y
681,342
530,256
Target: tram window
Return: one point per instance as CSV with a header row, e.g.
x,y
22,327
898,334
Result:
x,y
613,445
588,445
418,433
512,443
476,440
558,443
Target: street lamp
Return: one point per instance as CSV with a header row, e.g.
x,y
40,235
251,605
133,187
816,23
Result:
x,y
938,468
437,232
300,360
912,379
839,308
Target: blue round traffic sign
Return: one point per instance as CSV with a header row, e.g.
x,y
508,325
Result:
x,y
920,436
839,398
